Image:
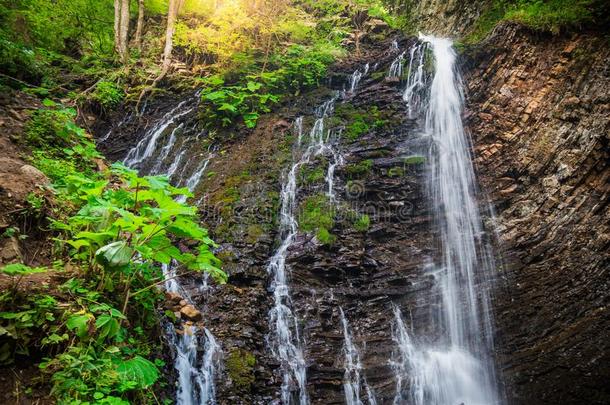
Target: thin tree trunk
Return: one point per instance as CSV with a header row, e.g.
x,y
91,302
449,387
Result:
x,y
172,14
124,31
169,35
117,26
140,24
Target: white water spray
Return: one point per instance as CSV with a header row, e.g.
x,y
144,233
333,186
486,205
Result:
x,y
352,378
456,368
195,378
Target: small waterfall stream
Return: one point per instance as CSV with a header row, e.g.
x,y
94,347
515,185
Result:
x,y
284,340
352,378
453,367
196,377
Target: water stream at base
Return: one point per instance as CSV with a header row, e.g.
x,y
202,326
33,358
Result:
x,y
196,377
454,367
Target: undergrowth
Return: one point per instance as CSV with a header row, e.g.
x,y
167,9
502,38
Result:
x,y
545,15
96,331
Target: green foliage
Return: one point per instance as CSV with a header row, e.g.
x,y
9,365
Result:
x,y
20,62
108,94
70,26
547,15
18,328
359,169
18,269
360,122
115,230
414,160
312,175
60,147
362,223
224,104
552,15
316,214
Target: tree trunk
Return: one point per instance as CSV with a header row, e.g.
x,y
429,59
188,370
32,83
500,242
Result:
x,y
117,26
169,34
172,14
140,24
124,31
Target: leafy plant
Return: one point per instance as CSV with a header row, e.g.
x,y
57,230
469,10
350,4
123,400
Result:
x,y
108,94
362,223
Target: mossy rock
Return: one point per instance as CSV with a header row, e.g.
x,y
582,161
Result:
x,y
316,215
240,368
360,169
254,232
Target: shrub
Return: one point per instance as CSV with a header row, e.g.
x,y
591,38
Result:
x,y
108,94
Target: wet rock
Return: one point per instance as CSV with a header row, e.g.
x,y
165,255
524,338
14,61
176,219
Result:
x,y
552,314
190,312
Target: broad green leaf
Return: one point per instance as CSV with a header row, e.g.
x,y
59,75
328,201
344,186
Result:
x,y
140,370
19,269
184,227
157,182
80,324
107,326
253,86
114,254
227,107
99,238
77,244
215,95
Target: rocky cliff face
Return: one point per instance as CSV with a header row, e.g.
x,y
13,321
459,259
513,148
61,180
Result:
x,y
446,17
539,114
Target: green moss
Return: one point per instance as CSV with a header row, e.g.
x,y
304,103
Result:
x,y
254,232
359,169
325,236
316,215
378,75
414,160
362,223
361,121
240,368
549,15
396,172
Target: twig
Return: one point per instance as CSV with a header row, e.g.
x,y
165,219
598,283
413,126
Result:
x,y
18,81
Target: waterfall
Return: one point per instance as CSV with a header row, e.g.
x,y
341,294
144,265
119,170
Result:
x,y
396,67
412,94
284,339
456,367
352,377
148,144
196,383
356,77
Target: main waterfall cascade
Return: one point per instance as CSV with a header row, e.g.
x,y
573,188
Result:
x,y
196,377
454,366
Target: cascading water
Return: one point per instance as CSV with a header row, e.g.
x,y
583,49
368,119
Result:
x,y
356,77
456,367
412,94
352,377
284,340
396,68
148,144
196,384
